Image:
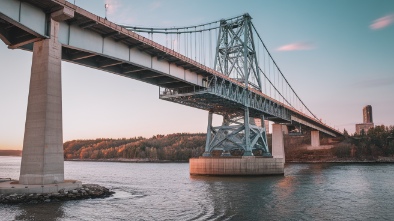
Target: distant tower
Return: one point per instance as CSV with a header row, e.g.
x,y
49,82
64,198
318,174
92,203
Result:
x,y
367,114
367,118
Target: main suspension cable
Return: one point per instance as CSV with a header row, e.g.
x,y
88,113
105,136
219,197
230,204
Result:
x,y
258,35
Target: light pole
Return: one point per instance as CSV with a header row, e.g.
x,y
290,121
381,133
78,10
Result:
x,y
106,9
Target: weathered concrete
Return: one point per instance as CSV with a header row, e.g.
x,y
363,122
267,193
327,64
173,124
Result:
x,y
315,138
18,188
236,166
278,147
42,156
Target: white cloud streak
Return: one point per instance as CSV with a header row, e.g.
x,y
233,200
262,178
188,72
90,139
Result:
x,y
298,46
382,22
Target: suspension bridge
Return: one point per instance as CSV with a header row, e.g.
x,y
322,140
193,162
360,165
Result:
x,y
222,67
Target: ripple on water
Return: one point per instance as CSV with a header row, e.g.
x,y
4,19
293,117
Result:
x,y
168,192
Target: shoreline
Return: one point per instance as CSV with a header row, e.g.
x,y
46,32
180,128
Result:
x,y
338,162
122,160
125,160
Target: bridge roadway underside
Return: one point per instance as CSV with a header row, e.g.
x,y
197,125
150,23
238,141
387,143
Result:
x,y
210,101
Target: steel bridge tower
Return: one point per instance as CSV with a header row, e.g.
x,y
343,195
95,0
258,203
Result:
x,y
236,58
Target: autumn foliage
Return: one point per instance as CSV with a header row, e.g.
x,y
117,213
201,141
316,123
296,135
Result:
x,y
173,147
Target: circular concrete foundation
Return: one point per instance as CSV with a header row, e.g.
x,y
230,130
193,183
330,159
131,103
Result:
x,y
236,166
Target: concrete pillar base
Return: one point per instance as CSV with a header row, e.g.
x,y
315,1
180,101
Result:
x,y
41,178
236,166
315,138
11,187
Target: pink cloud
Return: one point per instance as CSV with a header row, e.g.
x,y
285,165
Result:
x,y
382,22
155,5
296,47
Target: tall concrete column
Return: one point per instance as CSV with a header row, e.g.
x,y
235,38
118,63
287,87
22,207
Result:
x,y
209,132
42,156
315,138
278,148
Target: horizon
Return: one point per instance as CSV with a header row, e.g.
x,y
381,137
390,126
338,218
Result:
x,y
337,64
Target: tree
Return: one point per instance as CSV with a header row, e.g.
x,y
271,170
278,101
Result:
x,y
345,133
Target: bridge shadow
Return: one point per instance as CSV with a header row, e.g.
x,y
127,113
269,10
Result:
x,y
43,211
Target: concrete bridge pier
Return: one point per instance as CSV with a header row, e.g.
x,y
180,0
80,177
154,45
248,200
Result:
x,y
315,138
278,148
243,165
42,166
42,156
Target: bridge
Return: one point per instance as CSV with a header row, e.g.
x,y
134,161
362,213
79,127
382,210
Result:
x,y
222,67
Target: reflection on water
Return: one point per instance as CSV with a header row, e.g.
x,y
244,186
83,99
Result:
x,y
168,192
47,212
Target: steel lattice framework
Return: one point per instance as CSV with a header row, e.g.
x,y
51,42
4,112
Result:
x,y
235,58
236,53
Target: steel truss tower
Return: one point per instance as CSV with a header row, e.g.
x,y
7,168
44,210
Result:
x,y
236,58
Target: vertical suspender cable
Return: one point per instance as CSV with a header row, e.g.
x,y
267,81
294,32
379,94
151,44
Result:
x,y
195,44
209,46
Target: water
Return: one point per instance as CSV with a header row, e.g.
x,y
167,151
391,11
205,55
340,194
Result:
x,y
153,191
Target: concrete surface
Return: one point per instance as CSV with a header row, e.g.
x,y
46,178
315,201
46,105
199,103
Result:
x,y
11,187
42,155
315,138
236,166
278,147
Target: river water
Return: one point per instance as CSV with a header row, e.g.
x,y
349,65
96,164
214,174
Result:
x,y
166,191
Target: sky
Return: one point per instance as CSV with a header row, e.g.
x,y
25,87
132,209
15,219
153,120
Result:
x,y
337,55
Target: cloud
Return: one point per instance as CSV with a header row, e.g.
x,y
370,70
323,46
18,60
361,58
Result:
x,y
382,22
377,82
155,5
296,47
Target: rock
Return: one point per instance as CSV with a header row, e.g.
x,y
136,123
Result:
x,y
87,191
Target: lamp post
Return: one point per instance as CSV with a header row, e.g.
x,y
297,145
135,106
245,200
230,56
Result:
x,y
106,9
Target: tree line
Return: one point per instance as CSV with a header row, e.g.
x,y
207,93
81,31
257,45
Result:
x,y
377,142
173,147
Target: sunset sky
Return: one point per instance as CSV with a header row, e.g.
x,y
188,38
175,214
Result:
x,y
338,56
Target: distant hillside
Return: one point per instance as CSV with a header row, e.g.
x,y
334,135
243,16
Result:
x,y
10,153
173,147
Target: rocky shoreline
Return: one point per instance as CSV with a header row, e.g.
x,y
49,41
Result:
x,y
127,160
87,191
